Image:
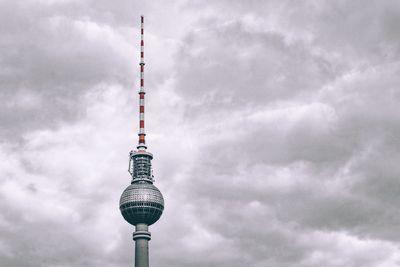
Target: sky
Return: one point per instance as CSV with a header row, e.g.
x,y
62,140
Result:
x,y
274,125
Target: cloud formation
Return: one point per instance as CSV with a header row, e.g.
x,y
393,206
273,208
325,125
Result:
x,y
274,126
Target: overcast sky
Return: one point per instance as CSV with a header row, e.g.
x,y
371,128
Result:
x,y
275,129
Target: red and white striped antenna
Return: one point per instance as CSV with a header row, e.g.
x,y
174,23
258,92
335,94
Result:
x,y
142,134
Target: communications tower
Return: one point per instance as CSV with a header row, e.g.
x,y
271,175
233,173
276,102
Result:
x,y
141,203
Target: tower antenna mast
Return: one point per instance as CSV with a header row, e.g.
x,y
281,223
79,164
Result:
x,y
142,134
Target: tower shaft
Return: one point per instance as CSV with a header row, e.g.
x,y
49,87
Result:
x,y
141,237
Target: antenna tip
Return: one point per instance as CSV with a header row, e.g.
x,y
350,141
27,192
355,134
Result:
x,y
142,18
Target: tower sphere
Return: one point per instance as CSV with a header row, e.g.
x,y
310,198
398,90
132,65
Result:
x,y
141,202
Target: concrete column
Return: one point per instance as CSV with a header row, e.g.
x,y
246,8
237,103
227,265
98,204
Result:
x,y
141,237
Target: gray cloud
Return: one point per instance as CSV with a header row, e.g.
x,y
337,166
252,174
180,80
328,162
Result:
x,y
274,128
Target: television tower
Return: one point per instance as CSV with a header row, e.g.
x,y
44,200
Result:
x,y
141,203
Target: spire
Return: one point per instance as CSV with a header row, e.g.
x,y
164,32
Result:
x,y
140,160
142,134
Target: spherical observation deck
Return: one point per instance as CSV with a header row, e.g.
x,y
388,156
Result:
x,y
141,202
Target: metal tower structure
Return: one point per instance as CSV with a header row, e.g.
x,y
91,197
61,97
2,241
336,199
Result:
x,y
141,203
